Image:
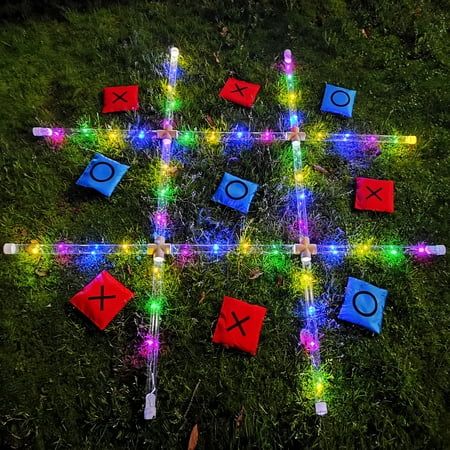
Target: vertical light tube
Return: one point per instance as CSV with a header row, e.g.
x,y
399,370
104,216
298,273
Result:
x,y
151,343
311,332
160,227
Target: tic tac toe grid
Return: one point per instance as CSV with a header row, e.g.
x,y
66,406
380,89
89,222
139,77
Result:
x,y
161,248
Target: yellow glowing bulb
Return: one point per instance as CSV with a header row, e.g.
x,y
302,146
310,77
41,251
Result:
x,y
212,137
320,135
114,137
362,249
299,177
306,279
164,167
245,247
34,249
319,388
125,248
292,98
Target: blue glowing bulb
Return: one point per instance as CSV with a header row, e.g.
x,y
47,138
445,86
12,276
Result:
x,y
141,135
311,310
215,248
302,196
333,249
239,134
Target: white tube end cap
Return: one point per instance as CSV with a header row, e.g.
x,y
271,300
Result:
x,y
438,250
287,56
321,408
150,407
42,132
10,249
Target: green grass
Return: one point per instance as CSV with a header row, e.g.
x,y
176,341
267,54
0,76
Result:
x,y
67,385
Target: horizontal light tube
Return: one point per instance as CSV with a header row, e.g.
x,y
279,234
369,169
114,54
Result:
x,y
179,249
265,136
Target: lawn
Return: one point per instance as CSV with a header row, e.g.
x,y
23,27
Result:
x,y
65,384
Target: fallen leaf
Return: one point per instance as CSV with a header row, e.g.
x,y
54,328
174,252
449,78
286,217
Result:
x,y
210,121
254,274
129,269
202,297
224,31
364,33
41,273
172,170
193,438
239,418
320,169
280,281
216,57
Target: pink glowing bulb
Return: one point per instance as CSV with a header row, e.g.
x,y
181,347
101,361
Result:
x,y
57,137
267,137
309,342
297,227
420,250
62,248
161,218
149,345
186,254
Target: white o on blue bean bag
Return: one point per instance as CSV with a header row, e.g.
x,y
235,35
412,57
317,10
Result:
x,y
235,193
338,100
102,174
363,304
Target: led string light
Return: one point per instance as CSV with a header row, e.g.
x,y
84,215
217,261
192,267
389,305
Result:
x,y
309,335
160,222
214,137
149,249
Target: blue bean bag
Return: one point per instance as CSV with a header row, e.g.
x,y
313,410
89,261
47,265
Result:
x,y
102,174
338,100
363,304
235,193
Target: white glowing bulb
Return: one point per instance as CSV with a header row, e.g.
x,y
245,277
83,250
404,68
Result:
x,y
174,52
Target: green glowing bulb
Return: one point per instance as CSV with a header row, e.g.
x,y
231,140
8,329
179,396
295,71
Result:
x,y
166,193
154,305
187,139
